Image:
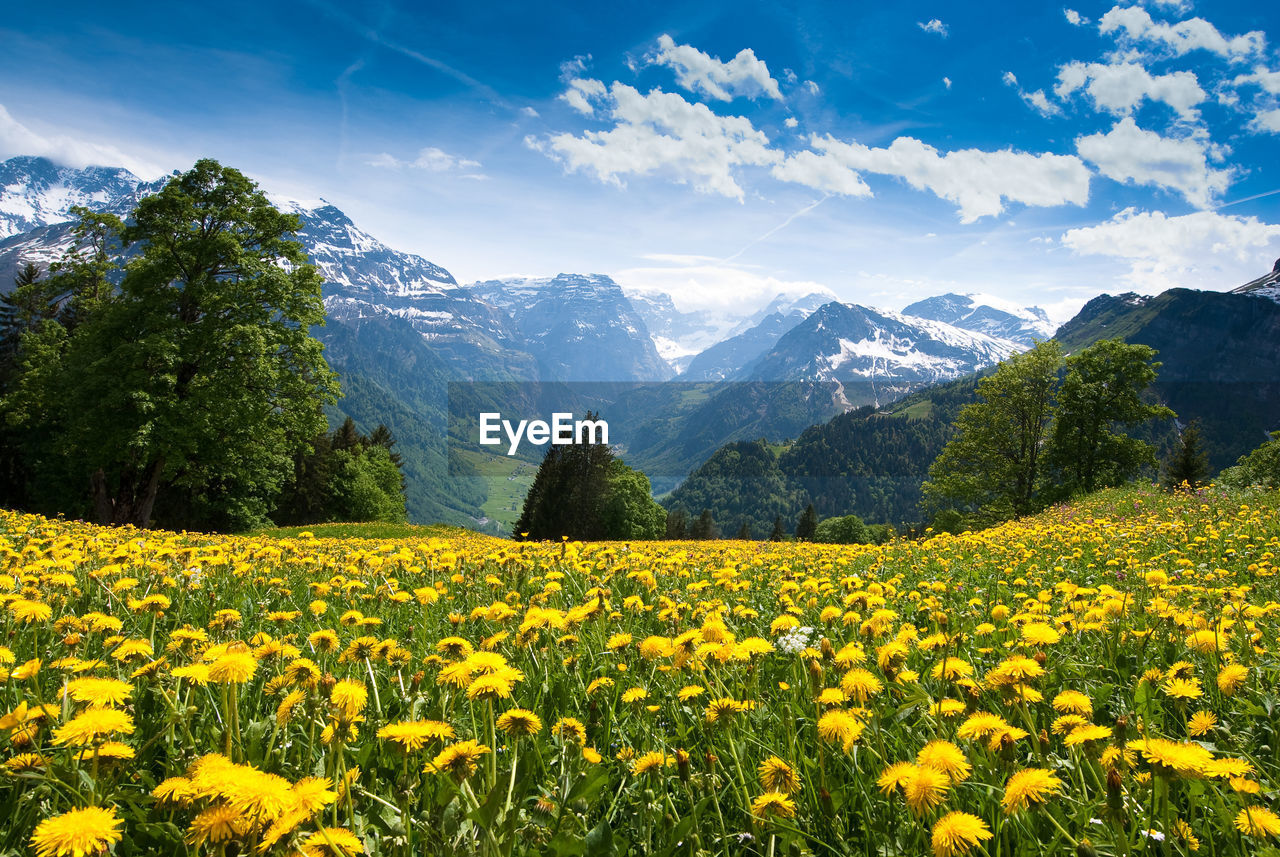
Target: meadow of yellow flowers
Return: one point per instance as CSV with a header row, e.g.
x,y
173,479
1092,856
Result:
x,y
1100,679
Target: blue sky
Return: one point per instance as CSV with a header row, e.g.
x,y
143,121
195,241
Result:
x,y
723,152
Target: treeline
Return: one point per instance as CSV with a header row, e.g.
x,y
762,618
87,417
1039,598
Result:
x,y
182,388
344,476
841,529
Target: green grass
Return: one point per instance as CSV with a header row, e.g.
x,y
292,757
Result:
x,y
919,410
506,480
356,530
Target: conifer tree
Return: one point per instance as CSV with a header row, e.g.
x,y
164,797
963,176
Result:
x,y
778,533
1189,462
807,525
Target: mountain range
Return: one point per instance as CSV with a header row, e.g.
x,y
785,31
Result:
x,y
406,337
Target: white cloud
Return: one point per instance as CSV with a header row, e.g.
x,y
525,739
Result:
x,y
575,67
978,182
18,139
934,26
705,284
789,76
1074,18
812,87
430,159
1120,87
791,121
1269,81
1183,37
1204,248
699,72
946,81
1038,100
822,172
580,93
661,132
530,112
1267,120
1129,154
1041,102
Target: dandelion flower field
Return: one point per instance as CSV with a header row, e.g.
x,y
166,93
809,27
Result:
x,y
1101,678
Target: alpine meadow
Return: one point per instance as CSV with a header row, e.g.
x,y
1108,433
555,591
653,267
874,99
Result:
x,y
576,430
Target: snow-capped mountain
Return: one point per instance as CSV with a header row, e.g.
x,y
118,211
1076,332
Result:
x,y
1266,286
986,314
787,306
877,355
678,335
35,192
579,327
363,277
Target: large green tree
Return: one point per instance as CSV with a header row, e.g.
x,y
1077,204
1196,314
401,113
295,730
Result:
x,y
991,469
583,492
184,393
1099,399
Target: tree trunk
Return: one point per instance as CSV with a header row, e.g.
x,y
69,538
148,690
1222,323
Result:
x,y
135,497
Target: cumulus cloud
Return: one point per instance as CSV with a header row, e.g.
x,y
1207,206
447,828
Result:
x,y
1204,248
1267,120
1074,18
1131,155
1122,86
978,182
662,132
1269,81
946,81
580,93
430,159
700,72
18,139
530,112
1136,24
791,121
934,26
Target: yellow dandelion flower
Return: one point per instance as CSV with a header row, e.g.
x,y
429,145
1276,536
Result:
x,y
91,726
773,804
1202,723
77,833
956,833
1029,787
519,722
459,760
413,735
925,789
1073,702
1231,678
778,776
1258,821
946,757
233,668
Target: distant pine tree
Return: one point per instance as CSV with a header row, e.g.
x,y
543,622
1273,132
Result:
x,y
1189,462
778,533
705,527
744,532
347,436
807,525
581,491
678,523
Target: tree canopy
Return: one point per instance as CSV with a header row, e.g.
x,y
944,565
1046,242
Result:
x,y
1036,437
183,393
581,491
